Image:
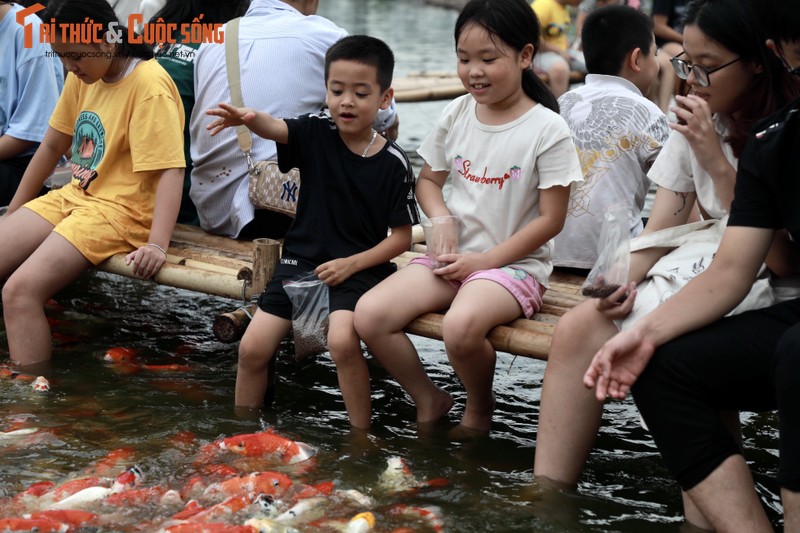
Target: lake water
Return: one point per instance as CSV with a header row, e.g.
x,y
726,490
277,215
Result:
x,y
164,418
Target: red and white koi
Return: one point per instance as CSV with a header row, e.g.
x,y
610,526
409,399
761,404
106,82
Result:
x,y
398,477
40,525
40,384
431,515
265,443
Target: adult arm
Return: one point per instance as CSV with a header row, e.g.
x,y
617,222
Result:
x,y
705,299
11,147
663,30
53,146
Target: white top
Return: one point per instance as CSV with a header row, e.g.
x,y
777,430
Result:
x,y
677,169
618,134
282,59
497,172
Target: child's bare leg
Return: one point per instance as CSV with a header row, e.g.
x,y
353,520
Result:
x,y
351,368
257,347
381,315
20,234
569,414
479,306
51,267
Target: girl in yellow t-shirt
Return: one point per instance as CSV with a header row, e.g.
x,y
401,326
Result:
x,y
121,117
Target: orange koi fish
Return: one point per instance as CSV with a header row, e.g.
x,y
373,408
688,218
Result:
x,y
113,461
213,527
72,518
267,443
272,483
40,525
120,355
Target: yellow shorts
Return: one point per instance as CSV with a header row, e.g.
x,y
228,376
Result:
x,y
86,225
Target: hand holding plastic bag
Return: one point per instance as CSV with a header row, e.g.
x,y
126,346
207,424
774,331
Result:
x,y
611,269
309,297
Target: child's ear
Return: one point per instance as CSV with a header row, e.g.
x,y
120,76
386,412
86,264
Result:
x,y
526,55
386,99
633,59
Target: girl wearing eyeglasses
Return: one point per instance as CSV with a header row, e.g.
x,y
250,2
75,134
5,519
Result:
x,y
733,81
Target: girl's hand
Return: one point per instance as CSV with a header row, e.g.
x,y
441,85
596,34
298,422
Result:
x,y
335,272
147,261
698,128
460,265
229,116
618,305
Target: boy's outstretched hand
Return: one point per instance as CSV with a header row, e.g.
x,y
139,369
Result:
x,y
229,116
618,364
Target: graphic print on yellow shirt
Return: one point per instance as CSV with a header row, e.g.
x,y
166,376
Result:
x,y
88,148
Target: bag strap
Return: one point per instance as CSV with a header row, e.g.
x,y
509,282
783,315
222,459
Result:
x,y
243,136
678,235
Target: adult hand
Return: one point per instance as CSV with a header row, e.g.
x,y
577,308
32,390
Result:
x,y
336,271
698,129
146,260
618,364
459,266
229,116
618,305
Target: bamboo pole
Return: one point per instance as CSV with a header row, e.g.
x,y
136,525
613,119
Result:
x,y
266,253
182,277
229,327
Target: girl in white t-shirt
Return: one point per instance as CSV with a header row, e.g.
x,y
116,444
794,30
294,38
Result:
x,y
733,81
511,160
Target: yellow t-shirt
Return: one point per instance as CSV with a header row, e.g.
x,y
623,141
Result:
x,y
555,21
124,134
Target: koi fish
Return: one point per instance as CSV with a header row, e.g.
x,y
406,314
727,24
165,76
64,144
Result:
x,y
72,518
398,477
267,443
361,523
40,384
272,483
430,514
306,510
266,525
113,461
40,525
214,527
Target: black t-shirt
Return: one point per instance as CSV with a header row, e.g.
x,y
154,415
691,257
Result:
x,y
675,10
767,193
347,202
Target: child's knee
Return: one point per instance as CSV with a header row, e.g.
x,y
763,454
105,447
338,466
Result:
x,y
344,347
15,292
367,318
253,356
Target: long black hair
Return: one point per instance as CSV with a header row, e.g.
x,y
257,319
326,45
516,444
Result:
x,y
515,24
213,11
731,24
99,12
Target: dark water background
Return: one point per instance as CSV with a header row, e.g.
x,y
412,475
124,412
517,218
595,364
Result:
x,y
94,409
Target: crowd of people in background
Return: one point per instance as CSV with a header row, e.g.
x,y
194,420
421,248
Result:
x,y
696,97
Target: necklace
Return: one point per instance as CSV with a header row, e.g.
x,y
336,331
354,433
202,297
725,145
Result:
x,y
121,73
371,142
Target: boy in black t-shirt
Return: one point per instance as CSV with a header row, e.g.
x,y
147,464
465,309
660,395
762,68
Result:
x,y
356,185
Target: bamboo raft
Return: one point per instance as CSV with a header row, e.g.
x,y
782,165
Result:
x,y
427,86
209,264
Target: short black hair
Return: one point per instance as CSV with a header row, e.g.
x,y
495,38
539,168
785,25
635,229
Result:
x,y
363,49
779,19
610,33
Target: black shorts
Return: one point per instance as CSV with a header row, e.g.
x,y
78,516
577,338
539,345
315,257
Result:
x,y
344,296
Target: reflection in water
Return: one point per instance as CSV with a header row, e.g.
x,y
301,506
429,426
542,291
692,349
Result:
x,y
162,418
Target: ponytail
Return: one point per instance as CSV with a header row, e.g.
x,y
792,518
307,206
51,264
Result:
x,y
537,90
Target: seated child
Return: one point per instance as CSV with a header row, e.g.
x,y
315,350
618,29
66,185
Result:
x,y
554,57
356,185
617,131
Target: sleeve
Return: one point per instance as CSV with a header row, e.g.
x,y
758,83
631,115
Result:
x,y
403,203
662,7
36,99
754,200
673,168
433,148
290,155
66,111
156,128
654,138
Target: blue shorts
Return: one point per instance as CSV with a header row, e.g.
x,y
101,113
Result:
x,y
524,287
344,296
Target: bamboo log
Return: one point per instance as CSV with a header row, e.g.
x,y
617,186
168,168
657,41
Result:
x,y
182,277
196,237
513,340
266,253
229,327
216,257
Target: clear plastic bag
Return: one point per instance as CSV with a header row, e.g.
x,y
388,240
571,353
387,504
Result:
x,y
309,297
611,269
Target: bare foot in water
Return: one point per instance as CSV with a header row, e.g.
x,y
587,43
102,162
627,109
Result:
x,y
434,410
476,422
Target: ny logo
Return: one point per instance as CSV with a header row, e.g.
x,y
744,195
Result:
x,y
289,193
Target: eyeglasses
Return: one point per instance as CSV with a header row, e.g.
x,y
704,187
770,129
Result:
x,y
701,74
793,71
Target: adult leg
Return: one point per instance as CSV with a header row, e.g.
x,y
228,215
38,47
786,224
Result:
x,y
30,286
569,414
479,306
725,366
380,316
787,373
257,347
351,368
